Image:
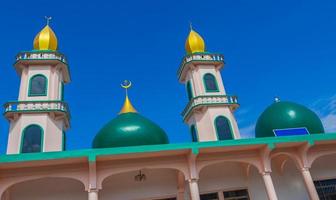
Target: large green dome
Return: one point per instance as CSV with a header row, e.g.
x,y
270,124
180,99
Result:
x,y
284,115
129,129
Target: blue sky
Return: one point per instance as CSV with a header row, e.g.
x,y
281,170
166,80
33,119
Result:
x,y
271,48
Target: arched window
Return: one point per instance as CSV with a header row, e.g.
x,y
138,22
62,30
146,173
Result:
x,y
38,85
223,128
189,90
210,83
32,138
193,133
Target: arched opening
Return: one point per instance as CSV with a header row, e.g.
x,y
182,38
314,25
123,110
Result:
x,y
32,139
324,176
287,179
193,131
158,184
46,188
38,85
231,180
189,91
223,128
210,83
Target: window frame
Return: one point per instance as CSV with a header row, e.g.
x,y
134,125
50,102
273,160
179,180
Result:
x,y
205,85
23,133
193,126
230,127
30,86
190,92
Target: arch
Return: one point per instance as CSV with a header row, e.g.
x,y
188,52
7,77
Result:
x,y
32,139
20,180
210,83
297,161
163,179
111,172
38,85
189,91
223,128
194,134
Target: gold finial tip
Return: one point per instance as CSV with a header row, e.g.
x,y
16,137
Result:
x,y
127,107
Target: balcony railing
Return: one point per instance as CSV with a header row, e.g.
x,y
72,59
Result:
x,y
36,106
209,57
210,100
41,55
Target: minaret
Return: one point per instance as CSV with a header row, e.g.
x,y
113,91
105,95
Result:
x,y
39,118
209,112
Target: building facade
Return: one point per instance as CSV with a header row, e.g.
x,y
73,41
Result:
x,y
131,159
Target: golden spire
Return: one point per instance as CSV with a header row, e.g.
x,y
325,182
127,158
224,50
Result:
x,y
46,38
128,107
194,42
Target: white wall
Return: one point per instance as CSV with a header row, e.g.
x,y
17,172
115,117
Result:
x,y
324,168
49,189
289,185
232,176
159,183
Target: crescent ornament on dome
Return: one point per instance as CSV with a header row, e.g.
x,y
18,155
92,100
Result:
x,y
126,84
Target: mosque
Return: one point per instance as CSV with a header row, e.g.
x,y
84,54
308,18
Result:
x,y
290,158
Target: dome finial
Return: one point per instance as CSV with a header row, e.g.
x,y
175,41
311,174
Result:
x,y
276,99
128,107
48,19
46,39
194,42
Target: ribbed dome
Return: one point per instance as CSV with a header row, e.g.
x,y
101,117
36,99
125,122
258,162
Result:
x,y
46,40
194,43
284,115
129,129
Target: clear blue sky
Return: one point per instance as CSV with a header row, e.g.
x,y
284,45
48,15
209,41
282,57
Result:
x,y
272,48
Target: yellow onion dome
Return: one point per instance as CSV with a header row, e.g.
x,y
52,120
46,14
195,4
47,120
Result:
x,y
45,39
194,43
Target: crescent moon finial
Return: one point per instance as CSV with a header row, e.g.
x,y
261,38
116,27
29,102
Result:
x,y
126,84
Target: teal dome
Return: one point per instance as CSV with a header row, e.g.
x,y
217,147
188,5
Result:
x,y
284,115
129,129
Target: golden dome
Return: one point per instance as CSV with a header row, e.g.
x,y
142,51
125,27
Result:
x,y
194,43
45,39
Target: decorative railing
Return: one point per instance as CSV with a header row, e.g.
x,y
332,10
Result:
x,y
41,55
209,100
36,106
212,57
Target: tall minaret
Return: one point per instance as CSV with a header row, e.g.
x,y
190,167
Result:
x,y
209,112
40,117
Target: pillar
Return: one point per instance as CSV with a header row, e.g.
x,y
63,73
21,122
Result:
x,y
309,183
93,195
269,186
193,187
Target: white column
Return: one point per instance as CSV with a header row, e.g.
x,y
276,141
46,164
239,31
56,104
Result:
x,y
308,180
193,187
269,186
93,195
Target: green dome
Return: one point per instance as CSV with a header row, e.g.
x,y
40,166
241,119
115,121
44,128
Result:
x,y
129,129
283,115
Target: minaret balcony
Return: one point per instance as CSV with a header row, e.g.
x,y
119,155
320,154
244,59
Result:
x,y
199,58
59,109
41,55
201,102
37,58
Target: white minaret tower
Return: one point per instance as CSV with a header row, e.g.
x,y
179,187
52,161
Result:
x,y
40,117
209,112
